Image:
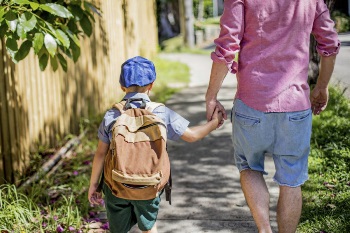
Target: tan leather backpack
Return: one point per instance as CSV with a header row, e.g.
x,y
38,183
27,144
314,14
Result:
x,y
137,165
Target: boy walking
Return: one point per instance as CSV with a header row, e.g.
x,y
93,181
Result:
x,y
136,79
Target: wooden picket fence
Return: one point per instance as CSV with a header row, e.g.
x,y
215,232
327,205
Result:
x,y
38,107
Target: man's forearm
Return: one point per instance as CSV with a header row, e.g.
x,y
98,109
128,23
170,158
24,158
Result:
x,y
326,70
217,76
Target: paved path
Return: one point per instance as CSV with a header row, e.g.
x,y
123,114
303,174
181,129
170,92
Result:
x,y
341,73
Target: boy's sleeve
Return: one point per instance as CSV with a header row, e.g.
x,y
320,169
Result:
x,y
176,124
104,130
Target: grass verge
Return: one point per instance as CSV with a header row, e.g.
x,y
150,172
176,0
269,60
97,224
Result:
x,y
327,193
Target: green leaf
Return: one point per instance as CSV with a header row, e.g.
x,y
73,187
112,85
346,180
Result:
x,y
23,50
54,63
2,13
52,30
38,42
73,26
11,47
10,15
56,9
43,61
86,25
73,37
50,44
27,21
12,24
75,51
20,32
77,12
3,28
34,5
20,2
61,36
11,44
63,62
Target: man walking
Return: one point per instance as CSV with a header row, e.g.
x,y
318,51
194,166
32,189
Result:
x,y
273,107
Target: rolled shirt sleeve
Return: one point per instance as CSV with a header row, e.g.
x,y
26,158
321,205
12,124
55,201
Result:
x,y
231,33
323,30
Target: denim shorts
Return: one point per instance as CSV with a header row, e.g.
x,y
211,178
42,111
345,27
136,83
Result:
x,y
123,214
285,135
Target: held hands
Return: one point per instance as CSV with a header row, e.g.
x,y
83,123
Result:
x,y
215,110
95,198
319,99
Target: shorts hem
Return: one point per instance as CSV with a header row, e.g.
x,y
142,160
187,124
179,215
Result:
x,y
262,171
288,185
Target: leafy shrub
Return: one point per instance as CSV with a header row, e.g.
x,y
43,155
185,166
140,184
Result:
x,y
327,193
51,29
342,21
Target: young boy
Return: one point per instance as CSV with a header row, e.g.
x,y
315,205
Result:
x,y
136,79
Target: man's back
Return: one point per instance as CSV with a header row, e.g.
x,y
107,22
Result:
x,y
273,39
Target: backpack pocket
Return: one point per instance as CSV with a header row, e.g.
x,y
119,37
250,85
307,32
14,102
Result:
x,y
137,179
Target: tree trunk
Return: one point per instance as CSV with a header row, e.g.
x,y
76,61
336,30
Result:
x,y
314,56
200,15
187,10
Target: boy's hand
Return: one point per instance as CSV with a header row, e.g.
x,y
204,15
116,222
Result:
x,y
218,116
95,198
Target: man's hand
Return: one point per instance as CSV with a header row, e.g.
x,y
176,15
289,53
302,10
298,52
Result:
x,y
211,106
218,117
319,99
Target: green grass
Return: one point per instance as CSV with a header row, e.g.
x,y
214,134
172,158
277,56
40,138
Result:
x,y
176,45
327,193
169,75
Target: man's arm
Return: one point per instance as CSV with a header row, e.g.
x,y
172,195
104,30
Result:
x,y
319,95
217,76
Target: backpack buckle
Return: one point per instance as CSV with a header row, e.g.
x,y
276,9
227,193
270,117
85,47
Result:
x,y
129,101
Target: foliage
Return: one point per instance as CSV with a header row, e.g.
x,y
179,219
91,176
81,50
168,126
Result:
x,y
208,8
342,21
327,193
51,28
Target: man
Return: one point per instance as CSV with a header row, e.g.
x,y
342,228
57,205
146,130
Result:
x,y
273,105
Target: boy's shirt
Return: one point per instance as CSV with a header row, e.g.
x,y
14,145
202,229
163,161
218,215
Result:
x,y
176,124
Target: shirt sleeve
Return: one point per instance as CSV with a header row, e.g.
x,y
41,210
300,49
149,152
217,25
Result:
x,y
176,124
231,33
323,30
104,130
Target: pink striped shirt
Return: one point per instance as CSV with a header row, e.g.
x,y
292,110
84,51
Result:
x,y
272,38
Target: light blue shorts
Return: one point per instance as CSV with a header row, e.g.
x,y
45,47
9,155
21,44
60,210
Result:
x,y
285,135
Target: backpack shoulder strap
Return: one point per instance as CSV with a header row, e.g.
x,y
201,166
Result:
x,y
120,106
150,106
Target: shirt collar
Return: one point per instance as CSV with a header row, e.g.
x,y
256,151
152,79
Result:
x,y
137,95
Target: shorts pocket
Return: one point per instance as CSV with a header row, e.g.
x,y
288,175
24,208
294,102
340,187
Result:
x,y
246,120
300,116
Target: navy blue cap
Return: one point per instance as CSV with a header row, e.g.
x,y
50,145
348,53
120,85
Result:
x,y
137,71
